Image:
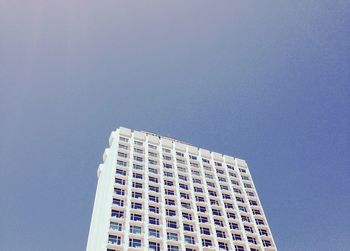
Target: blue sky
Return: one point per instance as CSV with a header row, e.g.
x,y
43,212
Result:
x,y
266,81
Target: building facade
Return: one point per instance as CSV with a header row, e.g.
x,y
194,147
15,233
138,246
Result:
x,y
157,193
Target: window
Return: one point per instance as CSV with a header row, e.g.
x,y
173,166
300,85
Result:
x,y
118,202
169,192
189,239
219,171
188,227
256,212
136,217
137,150
166,150
203,219
153,233
182,177
263,232
137,176
153,188
180,154
234,182
119,181
123,147
165,157
220,234
153,198
217,163
250,194
224,187
152,147
119,191
248,229
211,184
136,195
247,185
214,202
152,162
117,214
153,170
239,248
113,239
121,163
115,226
187,216
212,193
182,169
259,222
137,185
228,205
194,165
208,168
226,196
138,143
154,246
186,205
153,209
244,209
135,229
168,174
209,176
184,195
196,181
245,177
183,186
168,166
170,212
240,199
152,154
218,222
266,243
123,155
201,209
172,236
135,243
206,243
206,161
124,139
153,179
236,237
205,230
137,158
153,220
170,202
231,215
173,248
251,239
171,224
233,225
135,205
200,199
193,157
137,167
121,172
242,170
168,183
216,212
223,245
198,190
245,218
237,190
253,202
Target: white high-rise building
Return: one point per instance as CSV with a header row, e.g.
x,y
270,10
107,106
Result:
x,y
157,193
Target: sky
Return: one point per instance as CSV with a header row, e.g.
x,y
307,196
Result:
x,y
265,81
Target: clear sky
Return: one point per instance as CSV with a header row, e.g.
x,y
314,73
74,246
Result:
x,y
266,81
